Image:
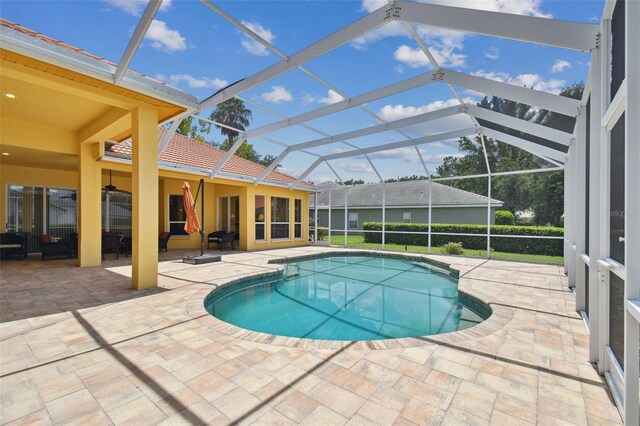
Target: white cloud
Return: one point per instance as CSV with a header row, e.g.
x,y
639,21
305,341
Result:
x,y
277,94
163,38
331,98
356,167
194,82
533,81
136,7
445,56
492,53
396,112
252,46
560,65
445,45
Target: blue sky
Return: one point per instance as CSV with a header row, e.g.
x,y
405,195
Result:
x,y
193,48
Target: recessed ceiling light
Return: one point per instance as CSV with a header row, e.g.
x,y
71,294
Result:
x,y
10,95
5,153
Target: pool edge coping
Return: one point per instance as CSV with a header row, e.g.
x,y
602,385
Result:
x,y
499,318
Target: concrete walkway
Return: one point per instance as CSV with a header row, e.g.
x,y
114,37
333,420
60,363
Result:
x,y
79,347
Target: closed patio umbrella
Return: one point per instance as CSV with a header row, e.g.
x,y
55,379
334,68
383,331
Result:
x,y
192,223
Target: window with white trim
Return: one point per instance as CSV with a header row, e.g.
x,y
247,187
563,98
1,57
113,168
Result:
x,y
406,217
353,220
297,219
279,218
260,217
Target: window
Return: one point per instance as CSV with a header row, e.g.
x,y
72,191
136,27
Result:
x,y
406,217
177,215
297,219
279,218
353,220
33,210
260,218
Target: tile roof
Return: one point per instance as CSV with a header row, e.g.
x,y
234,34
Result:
x,y
47,39
411,193
189,152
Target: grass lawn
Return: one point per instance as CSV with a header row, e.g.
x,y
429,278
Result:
x,y
356,241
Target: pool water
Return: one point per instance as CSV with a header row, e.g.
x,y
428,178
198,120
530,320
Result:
x,y
348,298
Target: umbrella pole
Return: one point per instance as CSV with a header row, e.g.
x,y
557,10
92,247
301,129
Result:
x,y
201,185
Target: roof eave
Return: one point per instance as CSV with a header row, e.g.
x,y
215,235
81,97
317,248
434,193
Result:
x,y
169,166
32,47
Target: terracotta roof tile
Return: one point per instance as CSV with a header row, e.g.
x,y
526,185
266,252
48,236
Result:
x,y
189,152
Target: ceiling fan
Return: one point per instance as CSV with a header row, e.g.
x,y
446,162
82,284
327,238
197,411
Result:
x,y
112,188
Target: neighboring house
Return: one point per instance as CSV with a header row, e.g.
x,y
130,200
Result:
x,y
404,202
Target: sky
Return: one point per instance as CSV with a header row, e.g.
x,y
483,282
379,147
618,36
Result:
x,y
191,47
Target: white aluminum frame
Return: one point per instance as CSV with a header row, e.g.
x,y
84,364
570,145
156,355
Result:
x,y
550,32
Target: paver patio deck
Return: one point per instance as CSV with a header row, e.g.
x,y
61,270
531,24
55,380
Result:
x,y
78,346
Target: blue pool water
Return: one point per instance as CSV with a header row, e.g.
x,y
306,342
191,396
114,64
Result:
x,y
349,298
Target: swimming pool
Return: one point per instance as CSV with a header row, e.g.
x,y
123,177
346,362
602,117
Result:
x,y
350,298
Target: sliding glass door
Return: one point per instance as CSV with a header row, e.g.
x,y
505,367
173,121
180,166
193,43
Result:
x,y
229,214
33,211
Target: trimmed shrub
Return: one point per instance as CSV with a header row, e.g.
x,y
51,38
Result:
x,y
505,217
406,235
452,248
322,232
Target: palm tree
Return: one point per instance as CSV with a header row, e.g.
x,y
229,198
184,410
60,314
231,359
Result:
x,y
234,113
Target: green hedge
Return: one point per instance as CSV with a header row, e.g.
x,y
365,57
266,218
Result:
x,y
505,217
511,245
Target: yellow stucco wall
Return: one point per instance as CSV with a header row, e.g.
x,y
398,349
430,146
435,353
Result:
x,y
170,183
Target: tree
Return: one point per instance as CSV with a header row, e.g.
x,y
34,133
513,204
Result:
x,y
232,113
353,182
406,178
543,193
189,128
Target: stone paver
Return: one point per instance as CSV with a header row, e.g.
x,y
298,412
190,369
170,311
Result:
x,y
78,346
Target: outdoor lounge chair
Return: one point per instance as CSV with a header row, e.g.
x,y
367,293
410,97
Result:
x,y
163,240
228,238
111,243
53,248
214,237
12,245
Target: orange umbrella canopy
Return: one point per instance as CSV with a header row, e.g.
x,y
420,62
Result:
x,y
193,223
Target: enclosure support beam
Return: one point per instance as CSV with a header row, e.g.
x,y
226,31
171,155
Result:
x,y
534,148
430,192
632,216
330,211
346,218
549,32
580,188
315,217
597,93
143,25
537,98
384,213
340,37
237,144
392,89
385,147
525,126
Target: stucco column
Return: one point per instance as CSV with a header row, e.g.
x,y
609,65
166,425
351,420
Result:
x,y
144,192
89,207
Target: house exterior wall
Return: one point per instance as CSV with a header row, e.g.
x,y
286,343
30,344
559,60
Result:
x,y
170,183
455,215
